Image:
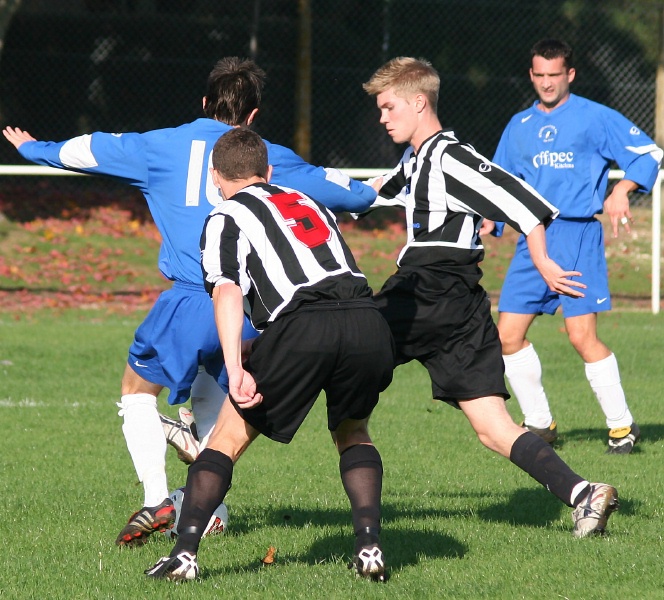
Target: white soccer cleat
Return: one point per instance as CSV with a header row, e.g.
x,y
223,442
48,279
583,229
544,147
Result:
x,y
182,567
593,512
180,435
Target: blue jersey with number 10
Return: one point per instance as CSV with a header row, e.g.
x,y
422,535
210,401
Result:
x,y
172,169
566,154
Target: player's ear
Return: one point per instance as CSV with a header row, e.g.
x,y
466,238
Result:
x,y
215,178
268,174
571,74
252,116
204,102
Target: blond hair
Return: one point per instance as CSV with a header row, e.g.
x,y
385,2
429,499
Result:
x,y
406,76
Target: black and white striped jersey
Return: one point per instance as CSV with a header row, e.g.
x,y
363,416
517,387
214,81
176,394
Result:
x,y
282,248
447,188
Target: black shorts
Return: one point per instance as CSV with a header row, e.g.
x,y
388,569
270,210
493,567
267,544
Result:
x,y
445,323
345,349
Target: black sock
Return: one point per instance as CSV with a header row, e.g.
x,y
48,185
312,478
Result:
x,y
361,472
532,454
207,483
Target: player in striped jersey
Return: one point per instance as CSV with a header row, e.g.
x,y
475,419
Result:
x,y
437,310
563,145
177,338
321,331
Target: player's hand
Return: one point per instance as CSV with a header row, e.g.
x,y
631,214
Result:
x,y
487,227
242,386
616,206
559,281
17,137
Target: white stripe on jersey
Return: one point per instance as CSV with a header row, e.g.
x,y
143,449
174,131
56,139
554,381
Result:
x,y
655,151
77,153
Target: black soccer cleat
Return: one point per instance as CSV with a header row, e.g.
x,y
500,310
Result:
x,y
548,434
182,567
623,439
145,522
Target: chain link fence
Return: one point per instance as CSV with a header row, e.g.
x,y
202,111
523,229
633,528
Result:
x,y
75,66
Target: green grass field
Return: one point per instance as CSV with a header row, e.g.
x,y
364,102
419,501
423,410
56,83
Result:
x,y
459,521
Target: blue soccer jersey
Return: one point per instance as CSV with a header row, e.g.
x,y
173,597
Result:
x,y
172,169
566,154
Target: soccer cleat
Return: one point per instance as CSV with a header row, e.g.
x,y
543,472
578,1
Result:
x,y
593,512
187,417
623,439
180,436
145,522
369,562
182,567
548,434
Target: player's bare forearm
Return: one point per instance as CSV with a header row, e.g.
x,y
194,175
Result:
x,y
556,278
17,137
616,205
229,316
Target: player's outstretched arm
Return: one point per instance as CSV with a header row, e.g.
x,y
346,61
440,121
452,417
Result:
x,y
229,316
16,137
558,280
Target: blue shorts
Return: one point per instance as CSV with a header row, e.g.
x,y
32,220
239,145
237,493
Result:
x,y
179,334
576,245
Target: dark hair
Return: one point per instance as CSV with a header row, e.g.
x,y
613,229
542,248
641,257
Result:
x,y
234,89
240,154
550,48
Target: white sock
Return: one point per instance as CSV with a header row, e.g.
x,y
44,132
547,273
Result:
x,y
524,373
604,379
206,400
146,443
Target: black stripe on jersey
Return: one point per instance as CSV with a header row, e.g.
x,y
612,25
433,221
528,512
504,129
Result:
x,y
498,177
230,267
421,194
292,266
393,186
263,296
350,259
202,245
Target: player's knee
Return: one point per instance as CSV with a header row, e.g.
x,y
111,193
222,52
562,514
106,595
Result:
x,y
584,342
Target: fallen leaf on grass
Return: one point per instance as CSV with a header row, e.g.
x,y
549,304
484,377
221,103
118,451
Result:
x,y
268,559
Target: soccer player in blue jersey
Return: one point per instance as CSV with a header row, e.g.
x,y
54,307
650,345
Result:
x,y
563,145
171,167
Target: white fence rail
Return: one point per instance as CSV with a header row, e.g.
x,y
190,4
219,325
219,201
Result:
x,y
367,173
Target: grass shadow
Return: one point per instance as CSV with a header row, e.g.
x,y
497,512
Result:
x,y
403,548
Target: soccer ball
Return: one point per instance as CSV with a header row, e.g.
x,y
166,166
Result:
x,y
218,520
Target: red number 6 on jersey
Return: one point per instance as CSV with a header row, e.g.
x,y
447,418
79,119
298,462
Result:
x,y
303,219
